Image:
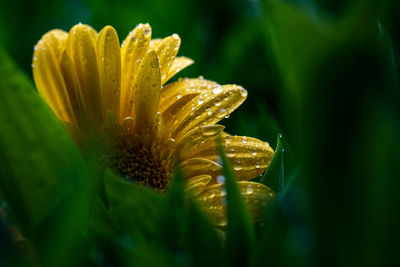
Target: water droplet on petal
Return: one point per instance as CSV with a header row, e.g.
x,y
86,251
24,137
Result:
x,y
217,89
208,130
221,179
218,102
200,101
249,189
244,140
222,113
243,92
257,165
237,166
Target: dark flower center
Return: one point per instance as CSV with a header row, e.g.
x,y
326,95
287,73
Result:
x,y
133,160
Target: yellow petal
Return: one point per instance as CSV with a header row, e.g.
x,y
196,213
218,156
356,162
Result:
x,y
196,185
74,91
147,93
81,49
202,179
256,196
198,166
179,64
249,157
208,108
55,39
167,50
109,61
195,138
48,77
154,43
179,93
133,49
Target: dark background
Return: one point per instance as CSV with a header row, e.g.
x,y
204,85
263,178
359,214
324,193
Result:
x,y
324,73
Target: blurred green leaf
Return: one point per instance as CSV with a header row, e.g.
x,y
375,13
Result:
x,y
137,209
240,238
42,172
205,247
273,177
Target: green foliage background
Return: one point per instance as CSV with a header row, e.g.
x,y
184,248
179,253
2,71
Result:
x,y
323,73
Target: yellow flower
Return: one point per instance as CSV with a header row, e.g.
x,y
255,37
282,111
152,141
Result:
x,y
92,84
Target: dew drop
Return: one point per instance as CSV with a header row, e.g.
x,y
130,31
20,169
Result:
x,y
221,179
227,116
237,166
200,101
32,65
217,89
209,112
243,92
222,113
218,102
257,165
249,189
211,194
201,78
146,31
208,131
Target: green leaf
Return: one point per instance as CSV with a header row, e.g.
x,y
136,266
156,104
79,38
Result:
x,y
137,209
273,177
187,231
240,237
42,173
205,248
174,227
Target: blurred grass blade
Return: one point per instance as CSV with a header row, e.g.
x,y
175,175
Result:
x,y
137,209
175,225
240,238
274,175
41,168
202,240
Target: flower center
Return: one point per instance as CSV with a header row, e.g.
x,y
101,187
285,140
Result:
x,y
133,160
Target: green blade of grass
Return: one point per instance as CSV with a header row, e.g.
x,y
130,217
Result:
x,y
240,237
273,177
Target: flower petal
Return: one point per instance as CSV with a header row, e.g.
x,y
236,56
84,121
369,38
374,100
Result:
x,y
147,93
207,108
48,76
154,43
133,49
109,61
198,166
179,64
195,138
257,197
81,49
167,50
182,92
249,156
74,91
196,185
